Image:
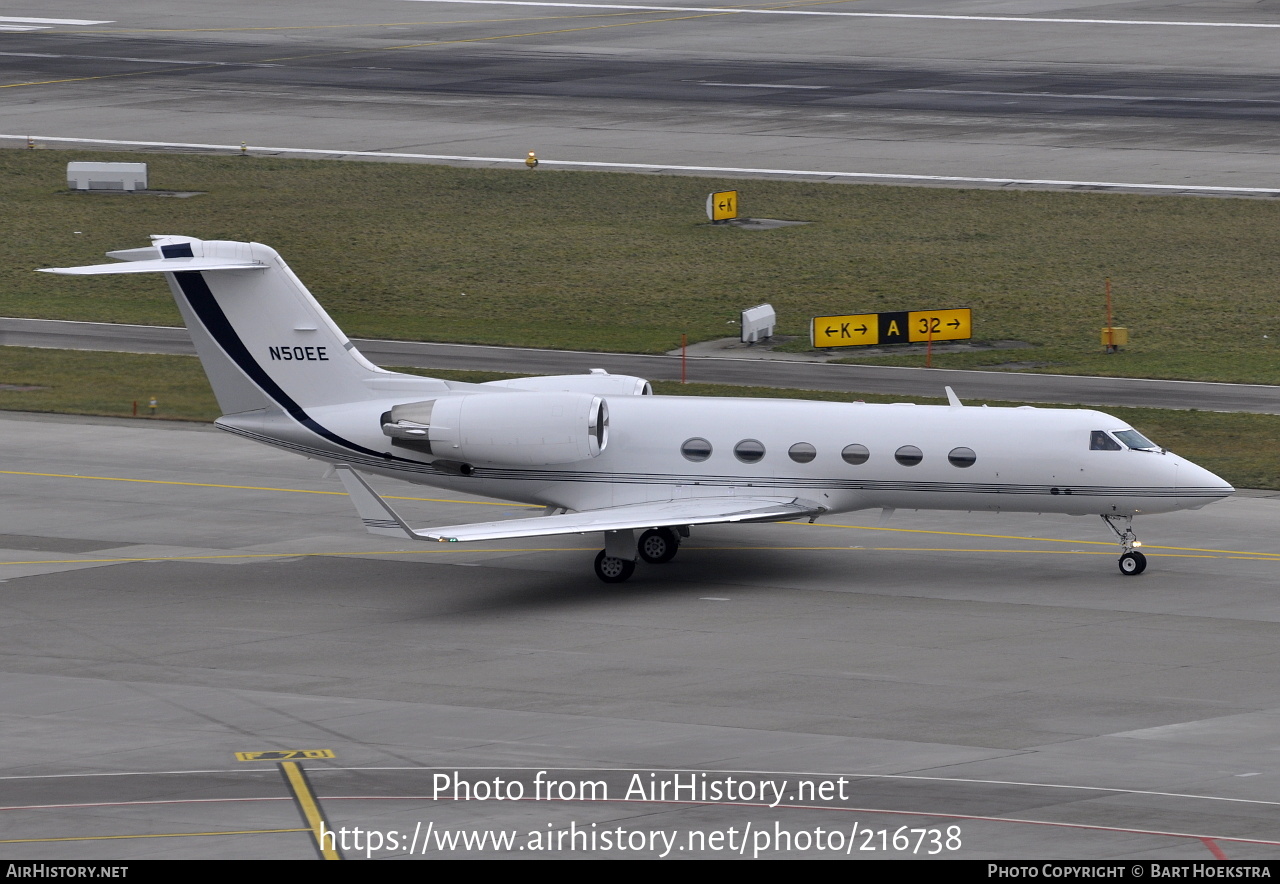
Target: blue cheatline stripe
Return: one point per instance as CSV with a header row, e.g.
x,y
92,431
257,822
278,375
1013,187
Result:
x,y
207,309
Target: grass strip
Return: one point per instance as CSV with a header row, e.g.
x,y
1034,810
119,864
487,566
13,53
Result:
x,y
625,262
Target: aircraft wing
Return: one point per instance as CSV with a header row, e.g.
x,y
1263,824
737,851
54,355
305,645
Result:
x,y
380,518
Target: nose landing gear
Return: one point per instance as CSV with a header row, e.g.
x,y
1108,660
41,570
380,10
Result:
x,y
1132,562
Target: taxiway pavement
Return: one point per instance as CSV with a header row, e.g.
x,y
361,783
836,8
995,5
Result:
x,y
171,596
747,371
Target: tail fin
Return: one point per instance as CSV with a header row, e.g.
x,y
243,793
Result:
x,y
263,340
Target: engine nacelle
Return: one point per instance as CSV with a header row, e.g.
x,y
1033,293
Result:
x,y
511,429
597,381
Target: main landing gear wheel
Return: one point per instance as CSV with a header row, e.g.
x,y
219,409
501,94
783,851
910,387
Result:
x,y
1132,563
658,545
612,570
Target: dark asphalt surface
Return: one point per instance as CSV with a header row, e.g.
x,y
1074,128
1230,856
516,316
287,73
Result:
x,y
905,84
1007,386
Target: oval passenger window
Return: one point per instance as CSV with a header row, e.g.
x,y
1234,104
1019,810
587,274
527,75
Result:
x,y
749,450
802,452
908,455
855,454
696,449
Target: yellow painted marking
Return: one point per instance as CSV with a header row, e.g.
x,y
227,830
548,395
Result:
x,y
1145,546
156,835
939,325
284,754
845,331
259,488
458,548
1249,555
99,77
309,808
448,548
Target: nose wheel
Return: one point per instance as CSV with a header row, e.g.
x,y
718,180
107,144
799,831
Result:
x,y
1132,562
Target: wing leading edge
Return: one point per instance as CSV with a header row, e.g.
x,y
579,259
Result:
x,y
380,518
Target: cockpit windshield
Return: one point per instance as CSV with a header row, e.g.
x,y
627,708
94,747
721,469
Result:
x,y
1100,441
1136,440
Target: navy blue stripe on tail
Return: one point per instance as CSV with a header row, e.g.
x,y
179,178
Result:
x,y
206,307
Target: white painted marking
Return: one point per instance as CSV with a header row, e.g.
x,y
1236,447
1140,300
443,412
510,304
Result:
x,y
903,15
663,167
52,21
18,28
709,598
761,86
1096,97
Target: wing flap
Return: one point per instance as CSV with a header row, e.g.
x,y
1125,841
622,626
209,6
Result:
x,y
380,518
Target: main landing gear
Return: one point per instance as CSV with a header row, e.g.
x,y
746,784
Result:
x,y
617,561
1132,562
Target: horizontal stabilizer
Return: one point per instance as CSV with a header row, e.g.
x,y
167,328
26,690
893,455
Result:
x,y
161,265
379,518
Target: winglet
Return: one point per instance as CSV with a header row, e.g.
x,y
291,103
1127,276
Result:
x,y
953,399
378,517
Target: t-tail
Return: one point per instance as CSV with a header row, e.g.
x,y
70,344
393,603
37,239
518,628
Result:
x,y
264,341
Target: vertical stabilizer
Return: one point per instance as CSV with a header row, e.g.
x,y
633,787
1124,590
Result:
x,y
263,340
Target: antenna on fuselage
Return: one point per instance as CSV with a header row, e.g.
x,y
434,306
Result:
x,y
953,399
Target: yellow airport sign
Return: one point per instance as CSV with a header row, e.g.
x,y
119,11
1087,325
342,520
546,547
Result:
x,y
940,325
285,755
845,331
899,327
722,205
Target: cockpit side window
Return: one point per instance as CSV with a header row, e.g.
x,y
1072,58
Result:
x,y
1136,440
1100,441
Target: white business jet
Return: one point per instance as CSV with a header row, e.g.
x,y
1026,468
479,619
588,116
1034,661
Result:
x,y
601,453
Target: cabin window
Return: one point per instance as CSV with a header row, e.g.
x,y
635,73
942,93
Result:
x,y
962,457
749,451
802,452
1136,440
908,455
696,449
1100,441
855,454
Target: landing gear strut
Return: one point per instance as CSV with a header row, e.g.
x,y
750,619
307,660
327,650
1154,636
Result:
x,y
1132,562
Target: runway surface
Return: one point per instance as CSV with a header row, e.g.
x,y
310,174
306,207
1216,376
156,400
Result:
x,y
172,596
803,375
1156,93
